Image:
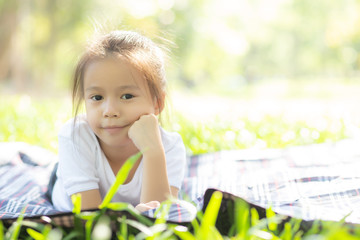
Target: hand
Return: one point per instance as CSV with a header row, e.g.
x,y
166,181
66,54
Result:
x,y
145,133
142,207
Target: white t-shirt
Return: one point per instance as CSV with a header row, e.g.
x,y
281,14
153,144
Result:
x,y
83,166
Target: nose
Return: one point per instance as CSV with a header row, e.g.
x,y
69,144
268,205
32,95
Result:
x,y
111,110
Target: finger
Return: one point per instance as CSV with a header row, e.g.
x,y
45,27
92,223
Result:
x,y
147,206
141,207
153,204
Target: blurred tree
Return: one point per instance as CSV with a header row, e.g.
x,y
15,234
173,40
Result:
x,y
307,38
220,43
8,24
55,32
46,36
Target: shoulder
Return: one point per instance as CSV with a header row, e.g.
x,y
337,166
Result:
x,y
175,157
77,132
78,156
171,140
76,127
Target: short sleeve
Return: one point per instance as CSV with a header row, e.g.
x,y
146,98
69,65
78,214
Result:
x,y
77,153
175,158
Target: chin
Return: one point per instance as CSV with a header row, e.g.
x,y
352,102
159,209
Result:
x,y
119,142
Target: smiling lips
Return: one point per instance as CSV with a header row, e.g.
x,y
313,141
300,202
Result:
x,y
113,129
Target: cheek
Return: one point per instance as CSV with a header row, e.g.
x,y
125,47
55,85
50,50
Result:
x,y
91,120
92,116
136,112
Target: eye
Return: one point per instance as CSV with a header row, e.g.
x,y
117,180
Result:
x,y
97,97
127,96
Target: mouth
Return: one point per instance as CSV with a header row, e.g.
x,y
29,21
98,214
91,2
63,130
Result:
x,y
113,129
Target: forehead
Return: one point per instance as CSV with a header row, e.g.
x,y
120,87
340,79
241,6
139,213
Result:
x,y
112,72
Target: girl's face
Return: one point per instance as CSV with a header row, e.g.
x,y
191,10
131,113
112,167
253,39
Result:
x,y
116,95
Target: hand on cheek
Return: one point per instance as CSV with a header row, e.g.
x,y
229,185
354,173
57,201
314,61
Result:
x,y
145,132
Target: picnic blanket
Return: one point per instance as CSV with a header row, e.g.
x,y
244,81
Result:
x,y
24,175
310,182
320,181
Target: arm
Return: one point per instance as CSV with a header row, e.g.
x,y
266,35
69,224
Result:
x,y
146,136
90,199
174,191
155,185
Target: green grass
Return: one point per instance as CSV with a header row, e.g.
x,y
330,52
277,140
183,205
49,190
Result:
x,y
38,121
33,121
267,132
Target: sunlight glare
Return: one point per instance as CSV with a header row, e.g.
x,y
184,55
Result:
x,y
166,4
167,17
231,41
140,8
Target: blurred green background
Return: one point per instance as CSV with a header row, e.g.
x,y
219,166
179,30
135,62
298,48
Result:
x,y
242,74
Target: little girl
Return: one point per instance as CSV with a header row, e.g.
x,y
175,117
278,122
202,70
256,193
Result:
x,y
121,81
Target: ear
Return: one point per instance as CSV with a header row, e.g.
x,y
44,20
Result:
x,y
159,105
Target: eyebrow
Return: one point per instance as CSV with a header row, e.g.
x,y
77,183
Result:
x,y
121,88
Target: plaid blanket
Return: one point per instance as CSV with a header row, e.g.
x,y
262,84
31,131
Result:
x,y
308,182
319,181
23,184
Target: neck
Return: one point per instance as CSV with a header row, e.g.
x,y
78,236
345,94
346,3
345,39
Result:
x,y
117,155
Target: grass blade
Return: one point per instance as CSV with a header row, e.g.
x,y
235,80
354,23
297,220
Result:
x,y
270,215
76,200
135,213
72,235
141,227
118,206
123,234
212,210
120,179
183,233
1,230
208,222
35,235
242,219
17,226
